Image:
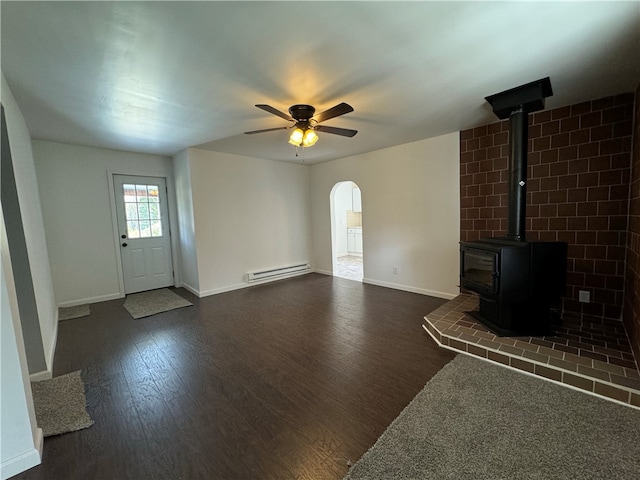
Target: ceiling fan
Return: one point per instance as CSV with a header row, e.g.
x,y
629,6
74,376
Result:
x,y
306,123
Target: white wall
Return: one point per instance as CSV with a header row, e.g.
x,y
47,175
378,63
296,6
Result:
x,y
20,439
411,214
186,222
76,206
32,221
249,214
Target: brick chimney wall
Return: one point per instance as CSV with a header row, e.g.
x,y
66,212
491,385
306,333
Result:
x,y
631,312
579,167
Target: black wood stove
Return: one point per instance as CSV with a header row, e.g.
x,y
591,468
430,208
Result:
x,y
517,280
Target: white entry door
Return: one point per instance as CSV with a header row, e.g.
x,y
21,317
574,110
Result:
x,y
143,225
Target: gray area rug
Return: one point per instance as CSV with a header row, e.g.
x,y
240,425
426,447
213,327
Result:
x,y
476,420
67,313
60,404
149,303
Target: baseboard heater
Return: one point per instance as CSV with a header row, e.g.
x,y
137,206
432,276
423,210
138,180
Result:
x,y
277,272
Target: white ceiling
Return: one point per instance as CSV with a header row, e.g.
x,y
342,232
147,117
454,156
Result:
x,y
158,77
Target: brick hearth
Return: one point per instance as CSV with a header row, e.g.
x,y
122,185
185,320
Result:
x,y
586,353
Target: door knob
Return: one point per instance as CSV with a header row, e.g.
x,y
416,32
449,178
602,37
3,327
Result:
x,y
124,244
123,236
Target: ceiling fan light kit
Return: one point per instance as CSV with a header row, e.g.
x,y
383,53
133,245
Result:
x,y
305,123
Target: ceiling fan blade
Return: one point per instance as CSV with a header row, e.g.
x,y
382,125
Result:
x,y
345,132
333,112
267,130
275,111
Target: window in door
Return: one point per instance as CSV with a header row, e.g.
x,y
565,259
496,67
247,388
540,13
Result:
x,y
142,210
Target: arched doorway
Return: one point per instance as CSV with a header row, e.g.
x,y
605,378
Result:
x,y
346,230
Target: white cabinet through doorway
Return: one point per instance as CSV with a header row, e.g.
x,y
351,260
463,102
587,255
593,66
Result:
x,y
354,240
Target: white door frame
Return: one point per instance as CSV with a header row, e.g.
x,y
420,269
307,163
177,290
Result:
x,y
173,223
334,233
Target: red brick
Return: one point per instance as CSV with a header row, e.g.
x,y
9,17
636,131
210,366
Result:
x,y
622,160
577,223
542,117
586,238
567,210
611,177
587,208
568,153
501,138
580,108
579,165
588,179
559,168
549,156
548,210
568,181
597,164
493,128
558,223
542,143
480,131
570,124
577,195
612,207
603,132
598,193
588,150
550,128
618,222
603,103
486,142
466,134
598,223
466,157
558,196
549,183
559,113
560,140
623,129
580,136
540,197
614,145
616,114
592,119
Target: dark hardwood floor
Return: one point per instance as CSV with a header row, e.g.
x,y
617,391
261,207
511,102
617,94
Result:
x,y
287,380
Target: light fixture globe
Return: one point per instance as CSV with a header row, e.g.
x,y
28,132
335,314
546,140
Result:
x,y
310,138
296,137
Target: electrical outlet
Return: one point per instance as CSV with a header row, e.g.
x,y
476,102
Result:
x,y
395,270
584,296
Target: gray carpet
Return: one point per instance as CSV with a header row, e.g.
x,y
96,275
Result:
x,y
149,303
476,420
67,313
60,404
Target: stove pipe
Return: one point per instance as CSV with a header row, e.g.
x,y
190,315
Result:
x,y
516,104
517,204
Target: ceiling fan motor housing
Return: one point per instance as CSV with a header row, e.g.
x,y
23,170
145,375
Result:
x,y
302,112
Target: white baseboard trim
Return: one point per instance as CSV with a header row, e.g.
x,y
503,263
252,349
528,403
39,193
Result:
x,y
39,376
84,301
324,272
24,461
407,288
230,288
238,286
188,287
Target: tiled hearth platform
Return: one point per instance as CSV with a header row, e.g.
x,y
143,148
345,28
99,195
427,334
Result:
x,y
588,354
